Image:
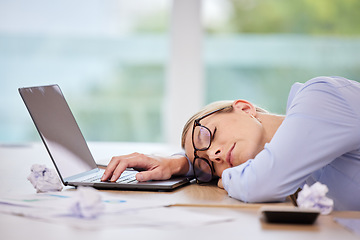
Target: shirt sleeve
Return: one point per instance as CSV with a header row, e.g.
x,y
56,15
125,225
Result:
x,y
190,172
319,127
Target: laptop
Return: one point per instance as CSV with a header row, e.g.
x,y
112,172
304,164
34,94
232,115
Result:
x,y
68,149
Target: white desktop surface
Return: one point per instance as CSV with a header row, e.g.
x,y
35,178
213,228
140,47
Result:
x,y
15,167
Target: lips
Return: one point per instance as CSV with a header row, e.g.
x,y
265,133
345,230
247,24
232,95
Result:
x,y
229,156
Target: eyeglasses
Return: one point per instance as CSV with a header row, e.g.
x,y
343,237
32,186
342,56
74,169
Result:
x,y
201,140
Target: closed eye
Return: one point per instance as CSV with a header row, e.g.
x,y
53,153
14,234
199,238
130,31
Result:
x,y
213,134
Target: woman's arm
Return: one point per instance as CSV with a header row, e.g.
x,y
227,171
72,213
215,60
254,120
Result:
x,y
154,167
321,125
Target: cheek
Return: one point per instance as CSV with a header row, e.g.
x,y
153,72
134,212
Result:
x,y
245,150
219,168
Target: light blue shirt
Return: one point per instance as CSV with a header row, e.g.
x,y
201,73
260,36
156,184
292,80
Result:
x,y
319,140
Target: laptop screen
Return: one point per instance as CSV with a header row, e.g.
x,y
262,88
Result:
x,y
58,129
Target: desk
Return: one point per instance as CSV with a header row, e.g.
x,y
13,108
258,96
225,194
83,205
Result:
x,y
15,167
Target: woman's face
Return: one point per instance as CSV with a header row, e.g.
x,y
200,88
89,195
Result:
x,y
238,137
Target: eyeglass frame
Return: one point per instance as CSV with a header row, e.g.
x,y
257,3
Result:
x,y
198,124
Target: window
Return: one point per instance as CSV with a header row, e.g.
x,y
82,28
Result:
x,y
109,57
256,50
137,70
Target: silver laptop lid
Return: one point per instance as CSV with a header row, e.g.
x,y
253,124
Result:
x,y
58,130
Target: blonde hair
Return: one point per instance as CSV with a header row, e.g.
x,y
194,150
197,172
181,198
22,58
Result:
x,y
207,109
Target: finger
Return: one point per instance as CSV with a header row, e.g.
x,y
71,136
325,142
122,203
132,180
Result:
x,y
110,169
220,184
118,171
113,164
121,166
118,165
155,174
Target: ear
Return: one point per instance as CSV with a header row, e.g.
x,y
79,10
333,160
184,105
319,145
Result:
x,y
244,106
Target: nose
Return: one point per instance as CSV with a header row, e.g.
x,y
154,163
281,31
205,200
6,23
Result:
x,y
215,154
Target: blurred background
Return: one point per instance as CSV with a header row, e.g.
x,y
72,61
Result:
x,y
114,59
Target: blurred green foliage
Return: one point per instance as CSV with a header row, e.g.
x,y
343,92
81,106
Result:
x,y
264,46
330,17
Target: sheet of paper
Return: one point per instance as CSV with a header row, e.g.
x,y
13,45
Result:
x,y
352,224
120,211
60,202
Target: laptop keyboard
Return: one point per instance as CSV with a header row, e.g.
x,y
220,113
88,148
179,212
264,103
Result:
x,y
126,177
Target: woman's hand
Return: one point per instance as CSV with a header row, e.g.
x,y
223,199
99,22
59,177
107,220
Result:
x,y
154,167
220,185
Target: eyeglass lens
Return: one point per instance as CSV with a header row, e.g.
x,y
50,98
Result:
x,y
202,170
201,138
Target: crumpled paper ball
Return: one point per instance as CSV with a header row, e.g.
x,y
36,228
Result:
x,y
44,179
314,197
87,203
